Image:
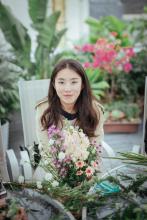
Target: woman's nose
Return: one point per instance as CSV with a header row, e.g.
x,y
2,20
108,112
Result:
x,y
67,87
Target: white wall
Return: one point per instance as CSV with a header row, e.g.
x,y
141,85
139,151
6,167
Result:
x,y
76,12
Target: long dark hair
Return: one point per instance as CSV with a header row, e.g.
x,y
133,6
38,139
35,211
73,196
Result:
x,y
87,118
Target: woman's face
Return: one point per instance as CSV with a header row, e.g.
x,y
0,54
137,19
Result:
x,y
68,85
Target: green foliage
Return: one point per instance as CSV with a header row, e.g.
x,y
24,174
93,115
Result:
x,y
104,26
97,83
10,210
127,204
122,110
16,34
9,75
128,87
48,38
131,87
37,10
137,27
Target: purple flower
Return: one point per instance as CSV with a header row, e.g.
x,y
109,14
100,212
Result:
x,y
53,149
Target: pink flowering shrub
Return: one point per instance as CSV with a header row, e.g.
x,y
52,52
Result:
x,y
71,154
108,56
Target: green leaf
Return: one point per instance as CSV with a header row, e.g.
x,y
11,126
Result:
x,y
16,34
13,30
58,37
37,10
100,85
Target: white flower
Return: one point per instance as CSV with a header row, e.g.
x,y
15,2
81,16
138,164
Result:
x,y
39,184
74,159
48,176
61,155
21,179
45,162
71,128
51,142
55,183
77,143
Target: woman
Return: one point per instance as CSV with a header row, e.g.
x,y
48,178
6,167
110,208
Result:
x,y
69,97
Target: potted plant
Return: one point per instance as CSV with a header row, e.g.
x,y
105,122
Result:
x,y
111,59
121,117
8,93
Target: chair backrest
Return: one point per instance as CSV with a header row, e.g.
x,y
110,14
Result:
x,y
144,142
30,93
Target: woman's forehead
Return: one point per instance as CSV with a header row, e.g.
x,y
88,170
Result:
x,y
67,74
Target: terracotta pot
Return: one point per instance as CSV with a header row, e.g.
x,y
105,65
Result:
x,y
121,127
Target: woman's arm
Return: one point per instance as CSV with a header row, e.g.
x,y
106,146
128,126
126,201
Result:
x,y
99,132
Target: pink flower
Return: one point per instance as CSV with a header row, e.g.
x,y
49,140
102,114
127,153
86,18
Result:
x,y
114,33
88,48
87,65
53,149
94,164
96,62
79,173
127,67
79,164
77,47
130,52
89,171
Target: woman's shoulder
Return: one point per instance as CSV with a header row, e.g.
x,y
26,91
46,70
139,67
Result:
x,y
98,106
42,104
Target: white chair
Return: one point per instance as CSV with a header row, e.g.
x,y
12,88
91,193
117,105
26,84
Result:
x,y
10,169
30,93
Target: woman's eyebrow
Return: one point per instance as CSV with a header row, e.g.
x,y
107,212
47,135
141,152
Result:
x,y
74,78
60,79
70,79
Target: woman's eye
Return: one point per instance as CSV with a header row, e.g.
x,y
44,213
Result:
x,y
61,82
74,82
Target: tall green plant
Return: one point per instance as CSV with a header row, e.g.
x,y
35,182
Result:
x,y
17,36
48,38
9,75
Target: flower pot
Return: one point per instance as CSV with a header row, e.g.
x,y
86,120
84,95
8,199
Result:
x,y
5,135
121,127
3,147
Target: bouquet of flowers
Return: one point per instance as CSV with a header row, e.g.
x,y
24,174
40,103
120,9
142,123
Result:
x,y
70,157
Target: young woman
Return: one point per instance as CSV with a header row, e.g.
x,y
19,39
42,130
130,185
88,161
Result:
x,y
69,97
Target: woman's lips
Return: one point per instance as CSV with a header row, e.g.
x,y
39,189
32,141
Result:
x,y
67,96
